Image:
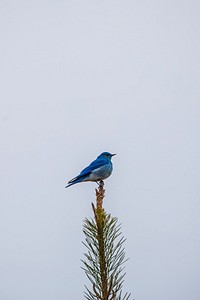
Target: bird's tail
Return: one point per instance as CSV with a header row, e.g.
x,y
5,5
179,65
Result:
x,y
75,180
69,184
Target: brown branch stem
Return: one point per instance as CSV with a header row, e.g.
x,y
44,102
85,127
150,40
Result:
x,y
100,215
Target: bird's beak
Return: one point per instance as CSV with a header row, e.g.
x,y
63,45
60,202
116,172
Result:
x,y
113,154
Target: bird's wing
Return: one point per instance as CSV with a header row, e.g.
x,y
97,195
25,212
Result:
x,y
94,165
85,172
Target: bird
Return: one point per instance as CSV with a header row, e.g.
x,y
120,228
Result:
x,y
100,169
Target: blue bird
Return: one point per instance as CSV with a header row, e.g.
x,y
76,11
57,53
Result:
x,y
99,169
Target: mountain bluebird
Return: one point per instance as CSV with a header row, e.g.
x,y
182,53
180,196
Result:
x,y
99,169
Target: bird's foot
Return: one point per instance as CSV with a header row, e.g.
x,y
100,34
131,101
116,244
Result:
x,y
100,183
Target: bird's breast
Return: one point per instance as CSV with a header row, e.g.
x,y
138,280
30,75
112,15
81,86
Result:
x,y
101,173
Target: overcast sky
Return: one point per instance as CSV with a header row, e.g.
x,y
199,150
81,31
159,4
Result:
x,y
79,78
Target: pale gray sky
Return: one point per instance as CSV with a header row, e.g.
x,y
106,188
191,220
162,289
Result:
x,y
82,77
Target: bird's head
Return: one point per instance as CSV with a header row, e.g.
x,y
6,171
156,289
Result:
x,y
106,155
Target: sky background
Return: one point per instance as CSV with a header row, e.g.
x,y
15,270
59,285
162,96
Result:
x,y
79,78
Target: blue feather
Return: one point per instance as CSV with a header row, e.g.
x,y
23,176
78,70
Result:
x,y
99,169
